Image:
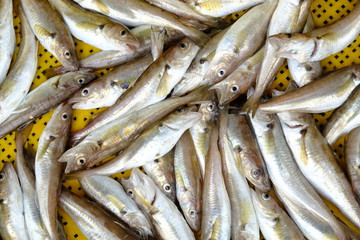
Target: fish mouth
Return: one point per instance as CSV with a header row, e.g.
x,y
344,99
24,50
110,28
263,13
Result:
x,y
132,47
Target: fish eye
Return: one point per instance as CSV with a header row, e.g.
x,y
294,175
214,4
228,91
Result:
x,y
64,116
180,110
221,72
123,33
255,173
67,54
2,176
85,92
202,61
167,187
234,88
183,45
266,196
192,213
81,80
139,233
81,161
130,193
210,107
156,161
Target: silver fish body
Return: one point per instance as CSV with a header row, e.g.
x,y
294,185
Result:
x,y
48,170
45,97
161,171
344,119
188,181
12,220
167,221
109,194
106,90
352,153
7,38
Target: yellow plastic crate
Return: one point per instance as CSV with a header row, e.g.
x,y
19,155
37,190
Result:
x,y
323,11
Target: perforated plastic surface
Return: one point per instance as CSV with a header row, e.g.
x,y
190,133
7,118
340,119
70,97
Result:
x,y
324,12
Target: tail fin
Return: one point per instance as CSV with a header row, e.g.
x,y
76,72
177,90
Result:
x,y
54,71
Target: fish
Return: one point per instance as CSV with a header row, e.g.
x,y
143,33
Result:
x,y
326,93
48,170
216,215
244,223
246,149
201,131
193,77
188,181
93,222
136,12
12,220
320,42
44,97
21,74
154,84
352,150
240,80
51,32
7,38
114,58
221,8
104,91
165,217
304,73
277,156
26,177
157,42
286,18
114,137
161,171
317,161
153,143
343,119
273,220
241,41
95,29
110,195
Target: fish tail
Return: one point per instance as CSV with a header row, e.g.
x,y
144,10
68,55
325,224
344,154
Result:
x,y
54,71
251,106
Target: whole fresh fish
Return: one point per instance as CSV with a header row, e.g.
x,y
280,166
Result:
x,y
216,215
91,220
106,90
17,83
153,143
136,12
274,222
51,31
193,77
7,37
201,131
153,85
109,194
240,80
161,171
241,41
118,134
45,97
12,220
113,58
188,181
26,176
304,73
221,8
344,119
247,151
165,217
292,183
287,17
319,43
157,41
324,94
48,170
95,29
312,228
244,223
352,157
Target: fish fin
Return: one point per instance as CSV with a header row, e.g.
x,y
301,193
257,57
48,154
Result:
x,y
41,151
23,133
20,111
250,106
101,7
163,86
43,32
157,42
89,25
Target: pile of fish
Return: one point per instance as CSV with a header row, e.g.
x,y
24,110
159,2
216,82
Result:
x,y
188,105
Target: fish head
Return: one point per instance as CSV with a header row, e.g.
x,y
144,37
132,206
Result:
x,y
263,121
299,47
140,225
226,91
65,52
209,111
75,80
62,119
183,52
220,67
121,36
181,119
192,210
85,96
8,177
264,202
